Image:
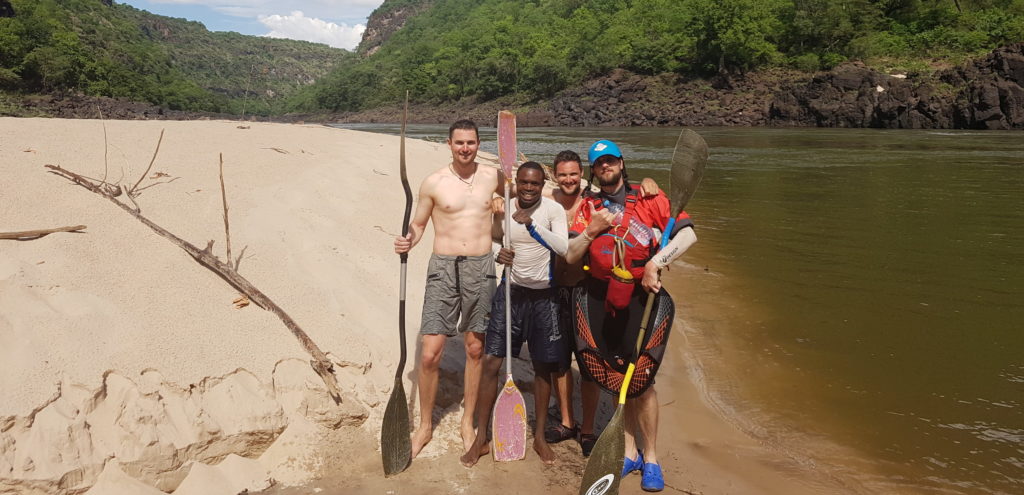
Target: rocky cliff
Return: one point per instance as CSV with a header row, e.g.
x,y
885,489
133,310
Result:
x,y
985,93
386,21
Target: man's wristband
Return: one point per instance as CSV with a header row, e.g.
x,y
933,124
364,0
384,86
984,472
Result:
x,y
586,236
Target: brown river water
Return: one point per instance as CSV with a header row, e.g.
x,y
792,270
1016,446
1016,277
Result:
x,y
880,275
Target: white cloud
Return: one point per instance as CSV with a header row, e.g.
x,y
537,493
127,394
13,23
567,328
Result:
x,y
297,26
332,10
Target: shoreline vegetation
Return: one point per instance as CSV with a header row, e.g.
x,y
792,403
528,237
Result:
x,y
826,63
982,93
132,365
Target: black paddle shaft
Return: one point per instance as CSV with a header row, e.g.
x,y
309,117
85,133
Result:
x,y
405,232
395,446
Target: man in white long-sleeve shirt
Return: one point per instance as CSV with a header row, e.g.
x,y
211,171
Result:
x,y
538,234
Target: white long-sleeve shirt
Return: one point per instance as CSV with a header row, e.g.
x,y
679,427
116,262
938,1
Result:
x,y
536,246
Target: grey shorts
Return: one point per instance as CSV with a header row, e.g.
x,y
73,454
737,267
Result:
x,y
458,294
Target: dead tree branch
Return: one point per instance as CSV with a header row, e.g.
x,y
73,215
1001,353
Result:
x,y
131,198
147,186
238,261
144,174
28,235
205,257
106,147
224,199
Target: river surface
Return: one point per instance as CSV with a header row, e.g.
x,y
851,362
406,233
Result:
x,y
882,278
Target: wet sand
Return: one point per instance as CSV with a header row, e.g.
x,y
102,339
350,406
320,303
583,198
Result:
x,y
704,447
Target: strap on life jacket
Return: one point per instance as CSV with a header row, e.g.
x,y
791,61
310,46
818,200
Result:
x,y
621,230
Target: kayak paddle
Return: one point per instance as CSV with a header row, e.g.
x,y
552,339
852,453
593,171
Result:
x,y
688,161
508,421
604,469
395,445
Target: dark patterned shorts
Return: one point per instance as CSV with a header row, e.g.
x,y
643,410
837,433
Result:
x,y
534,321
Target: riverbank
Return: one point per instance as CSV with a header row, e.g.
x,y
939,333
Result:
x,y
705,448
986,92
124,359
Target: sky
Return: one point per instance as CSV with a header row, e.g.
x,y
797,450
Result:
x,y
338,23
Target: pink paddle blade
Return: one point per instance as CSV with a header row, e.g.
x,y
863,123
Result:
x,y
507,141
509,424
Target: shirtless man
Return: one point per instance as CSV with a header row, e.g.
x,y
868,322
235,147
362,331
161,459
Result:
x,y
460,276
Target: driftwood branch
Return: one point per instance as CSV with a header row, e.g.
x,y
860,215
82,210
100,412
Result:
x,y
224,199
205,257
131,198
147,186
28,235
238,261
106,147
144,174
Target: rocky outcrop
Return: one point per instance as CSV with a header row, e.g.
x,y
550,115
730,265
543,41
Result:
x,y
994,94
78,106
853,95
386,21
150,432
626,99
984,93
620,98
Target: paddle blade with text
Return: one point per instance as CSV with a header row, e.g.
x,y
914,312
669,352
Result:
x,y
605,464
509,424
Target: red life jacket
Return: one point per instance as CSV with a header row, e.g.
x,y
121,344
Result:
x,y
634,230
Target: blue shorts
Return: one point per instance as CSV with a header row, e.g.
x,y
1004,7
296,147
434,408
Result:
x,y
534,321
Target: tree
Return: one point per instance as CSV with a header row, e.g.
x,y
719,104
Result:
x,y
734,34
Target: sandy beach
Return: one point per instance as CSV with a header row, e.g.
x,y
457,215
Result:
x,y
127,367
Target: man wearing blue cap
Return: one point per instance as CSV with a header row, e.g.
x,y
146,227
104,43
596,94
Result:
x,y
617,232
568,170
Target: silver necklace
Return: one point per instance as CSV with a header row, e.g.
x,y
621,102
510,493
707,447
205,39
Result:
x,y
468,182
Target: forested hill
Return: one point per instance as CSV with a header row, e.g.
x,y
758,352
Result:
x,y
857,63
101,48
447,50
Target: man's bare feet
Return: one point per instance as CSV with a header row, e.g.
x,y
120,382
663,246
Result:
x,y
468,434
543,450
421,438
474,453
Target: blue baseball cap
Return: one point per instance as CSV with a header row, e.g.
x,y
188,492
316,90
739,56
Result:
x,y
602,148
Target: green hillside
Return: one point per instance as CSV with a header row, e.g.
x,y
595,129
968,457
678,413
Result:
x,y
491,48
90,47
